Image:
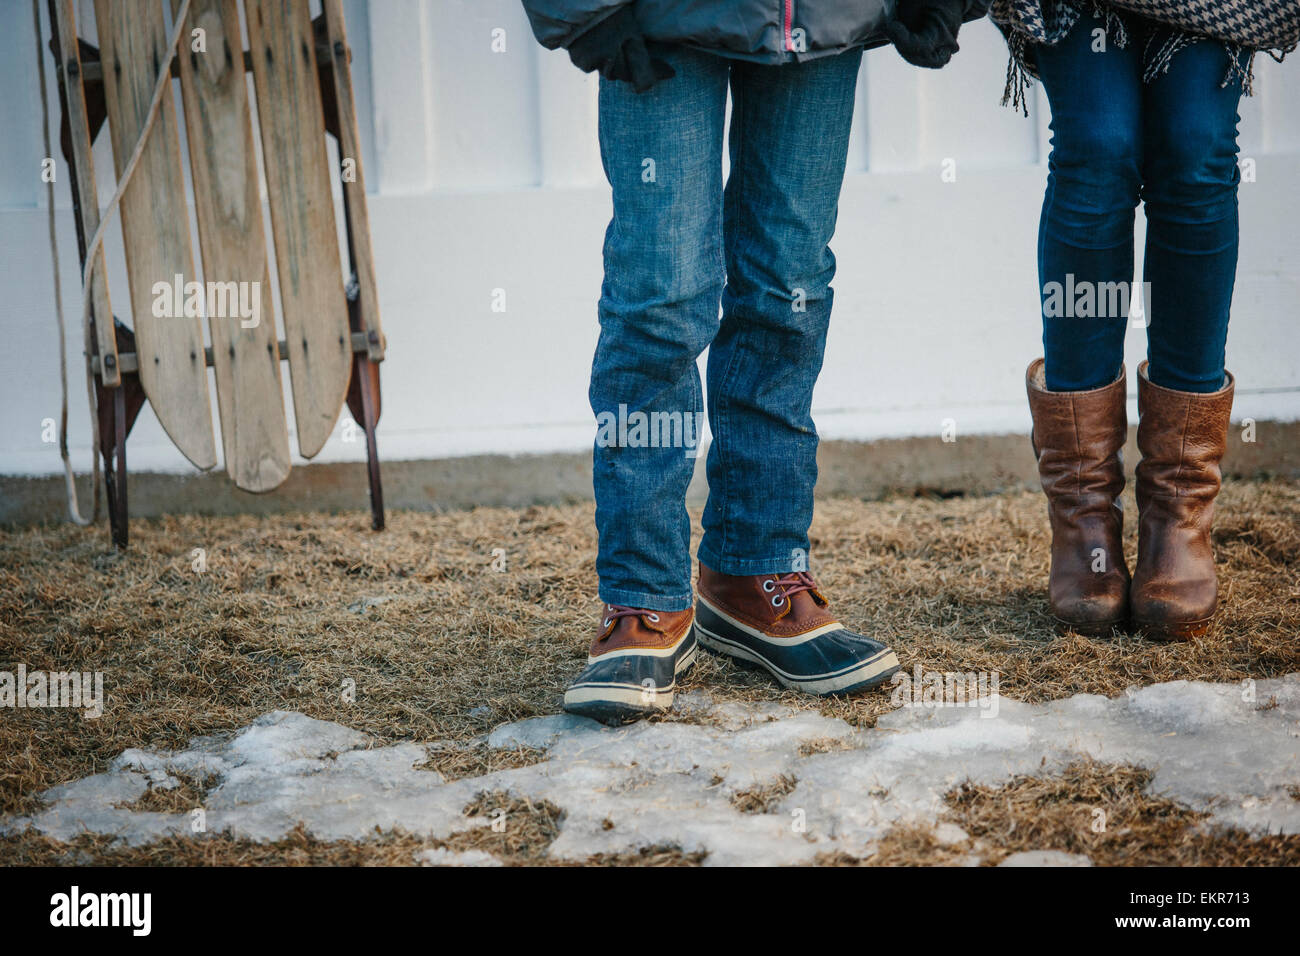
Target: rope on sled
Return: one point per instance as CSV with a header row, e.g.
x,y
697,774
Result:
x,y
70,481
92,248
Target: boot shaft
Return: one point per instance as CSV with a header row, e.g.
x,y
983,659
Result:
x,y
1182,437
1078,438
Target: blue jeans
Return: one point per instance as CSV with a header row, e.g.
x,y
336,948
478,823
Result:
x,y
678,247
1170,143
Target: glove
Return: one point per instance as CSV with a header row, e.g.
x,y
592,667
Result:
x,y
925,31
616,48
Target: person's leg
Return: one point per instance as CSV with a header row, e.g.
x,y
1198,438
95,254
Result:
x,y
1191,175
662,153
1093,184
1184,393
789,146
1077,392
757,601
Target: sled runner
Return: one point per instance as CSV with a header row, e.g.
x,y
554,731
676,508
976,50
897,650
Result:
x,y
331,335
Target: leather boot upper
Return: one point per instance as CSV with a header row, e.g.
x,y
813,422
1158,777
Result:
x,y
622,628
781,623
779,605
1078,438
1182,437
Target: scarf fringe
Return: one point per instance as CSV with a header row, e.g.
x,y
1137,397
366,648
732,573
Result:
x,y
1116,29
1242,68
1019,75
1241,61
1019,79
1157,57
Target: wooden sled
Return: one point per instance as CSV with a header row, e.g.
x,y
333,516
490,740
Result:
x,y
332,338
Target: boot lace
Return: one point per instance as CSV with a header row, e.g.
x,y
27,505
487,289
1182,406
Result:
x,y
615,612
785,586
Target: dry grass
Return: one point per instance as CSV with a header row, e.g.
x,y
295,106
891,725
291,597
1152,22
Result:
x,y
182,798
480,760
523,833
764,799
457,648
823,745
1061,812
1055,812
296,849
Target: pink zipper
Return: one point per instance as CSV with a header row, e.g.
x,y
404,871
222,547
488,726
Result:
x,y
789,25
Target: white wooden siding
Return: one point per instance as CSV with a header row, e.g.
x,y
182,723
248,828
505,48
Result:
x,y
486,176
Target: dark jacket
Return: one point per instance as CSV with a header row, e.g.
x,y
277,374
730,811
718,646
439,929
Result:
x,y
766,31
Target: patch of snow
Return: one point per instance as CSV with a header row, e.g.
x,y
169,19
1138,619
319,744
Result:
x,y
950,834
541,732
1214,748
1046,858
730,715
1187,708
441,857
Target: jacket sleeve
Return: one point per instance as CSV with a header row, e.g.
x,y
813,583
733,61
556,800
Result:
x,y
557,23
976,9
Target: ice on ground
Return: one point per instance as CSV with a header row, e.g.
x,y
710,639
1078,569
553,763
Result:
x,y
1231,750
441,857
950,834
1046,858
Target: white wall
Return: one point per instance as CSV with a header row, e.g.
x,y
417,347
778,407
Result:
x,y
486,176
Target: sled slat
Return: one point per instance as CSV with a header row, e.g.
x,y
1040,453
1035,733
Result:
x,y
245,361
155,223
302,214
354,184
83,161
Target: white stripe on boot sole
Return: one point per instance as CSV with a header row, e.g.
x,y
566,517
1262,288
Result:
x,y
817,684
630,694
793,640
627,695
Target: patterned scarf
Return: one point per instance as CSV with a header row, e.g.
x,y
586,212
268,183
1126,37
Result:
x,y
1244,27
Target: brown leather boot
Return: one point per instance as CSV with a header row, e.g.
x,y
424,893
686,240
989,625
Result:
x,y
1182,437
632,668
1078,437
781,623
